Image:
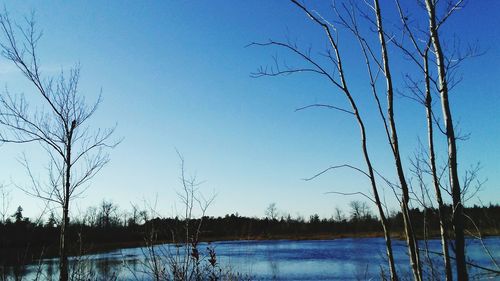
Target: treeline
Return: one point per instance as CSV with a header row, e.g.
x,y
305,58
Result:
x,y
104,228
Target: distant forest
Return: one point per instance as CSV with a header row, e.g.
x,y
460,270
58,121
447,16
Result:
x,y
104,228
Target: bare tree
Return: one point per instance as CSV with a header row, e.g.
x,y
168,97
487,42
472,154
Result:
x,y
6,198
424,96
185,261
393,140
339,215
191,199
382,65
423,44
445,66
91,216
334,56
107,214
76,153
359,210
443,75
135,216
272,211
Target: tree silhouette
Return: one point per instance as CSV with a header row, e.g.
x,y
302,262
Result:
x,y
272,211
18,215
76,153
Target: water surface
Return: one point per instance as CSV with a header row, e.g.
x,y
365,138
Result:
x,y
339,259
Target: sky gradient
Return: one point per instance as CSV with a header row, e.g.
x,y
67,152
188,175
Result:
x,y
175,75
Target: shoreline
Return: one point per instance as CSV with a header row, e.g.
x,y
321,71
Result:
x,y
109,247
92,249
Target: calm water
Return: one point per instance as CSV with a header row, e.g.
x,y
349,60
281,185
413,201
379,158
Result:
x,y
340,259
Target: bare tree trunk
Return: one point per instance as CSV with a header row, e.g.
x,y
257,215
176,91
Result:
x,y
345,89
458,216
342,86
383,219
63,264
410,234
432,164
63,256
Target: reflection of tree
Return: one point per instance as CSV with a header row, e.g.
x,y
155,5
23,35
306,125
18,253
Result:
x,y
50,270
272,262
132,263
275,270
361,271
103,268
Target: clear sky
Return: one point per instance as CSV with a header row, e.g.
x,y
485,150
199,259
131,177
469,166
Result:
x,y
176,75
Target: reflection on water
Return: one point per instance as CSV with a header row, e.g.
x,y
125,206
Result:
x,y
341,259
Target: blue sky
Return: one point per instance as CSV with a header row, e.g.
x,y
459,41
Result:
x,y
176,75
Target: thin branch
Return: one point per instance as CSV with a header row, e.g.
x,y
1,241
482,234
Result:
x,y
352,193
336,167
325,106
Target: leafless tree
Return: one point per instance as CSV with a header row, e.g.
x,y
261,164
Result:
x,y
446,65
443,88
393,140
359,210
339,215
182,259
135,215
107,214
376,65
333,54
417,45
421,195
6,198
76,153
91,216
272,211
422,43
191,199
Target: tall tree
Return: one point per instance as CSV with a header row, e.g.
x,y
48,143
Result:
x,y
456,192
338,78
76,153
420,56
393,139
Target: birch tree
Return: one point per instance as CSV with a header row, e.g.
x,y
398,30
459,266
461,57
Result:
x,y
458,216
420,46
340,83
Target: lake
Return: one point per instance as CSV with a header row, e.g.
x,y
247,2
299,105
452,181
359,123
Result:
x,y
339,259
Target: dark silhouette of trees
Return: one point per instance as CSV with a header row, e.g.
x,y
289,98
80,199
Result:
x,y
95,237
18,215
359,210
272,211
31,241
51,221
108,216
76,153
